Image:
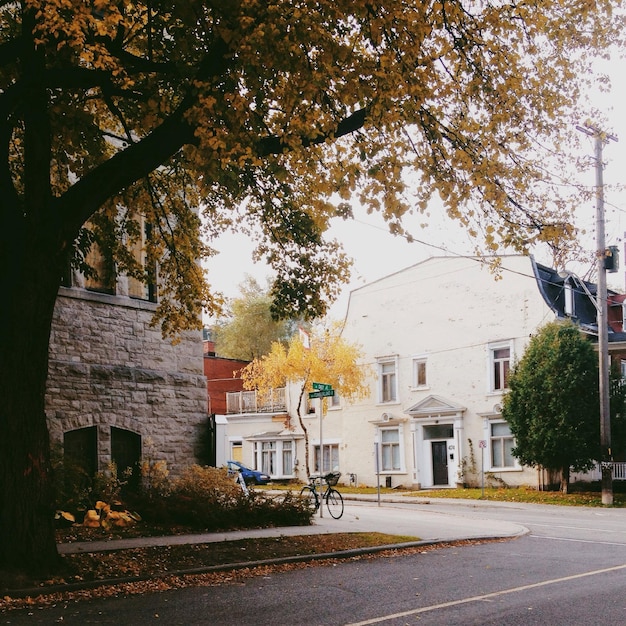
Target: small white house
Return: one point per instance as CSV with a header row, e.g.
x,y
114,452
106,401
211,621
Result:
x,y
265,434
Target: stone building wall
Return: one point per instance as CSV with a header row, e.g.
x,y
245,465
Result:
x,y
110,371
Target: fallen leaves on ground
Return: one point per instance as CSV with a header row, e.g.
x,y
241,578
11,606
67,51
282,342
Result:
x,y
154,569
85,569
157,560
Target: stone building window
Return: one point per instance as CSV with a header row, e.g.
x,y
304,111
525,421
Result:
x,y
104,278
145,289
80,452
126,454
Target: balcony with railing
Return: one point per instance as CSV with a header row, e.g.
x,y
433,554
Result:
x,y
253,402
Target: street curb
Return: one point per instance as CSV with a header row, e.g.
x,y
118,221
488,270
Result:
x,y
342,554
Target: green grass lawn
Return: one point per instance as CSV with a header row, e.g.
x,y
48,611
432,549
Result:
x,y
523,494
509,494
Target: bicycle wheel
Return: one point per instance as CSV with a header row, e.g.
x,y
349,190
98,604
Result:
x,y
334,502
311,497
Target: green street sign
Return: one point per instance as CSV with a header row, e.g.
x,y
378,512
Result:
x,y
322,386
325,393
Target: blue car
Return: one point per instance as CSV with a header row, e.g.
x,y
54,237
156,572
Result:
x,y
251,477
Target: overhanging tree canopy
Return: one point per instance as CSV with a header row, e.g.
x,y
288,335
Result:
x,y
271,115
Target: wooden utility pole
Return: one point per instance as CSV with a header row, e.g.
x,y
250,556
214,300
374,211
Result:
x,y
600,138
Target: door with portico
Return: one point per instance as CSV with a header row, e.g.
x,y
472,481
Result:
x,y
437,426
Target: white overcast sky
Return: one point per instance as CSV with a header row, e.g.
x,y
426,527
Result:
x,y
376,253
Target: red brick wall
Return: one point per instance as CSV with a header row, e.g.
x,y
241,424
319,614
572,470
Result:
x,y
219,373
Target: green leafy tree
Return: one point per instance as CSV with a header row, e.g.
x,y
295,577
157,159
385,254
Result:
x,y
272,116
553,404
250,329
617,404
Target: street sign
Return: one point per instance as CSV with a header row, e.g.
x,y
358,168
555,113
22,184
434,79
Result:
x,y
322,386
322,394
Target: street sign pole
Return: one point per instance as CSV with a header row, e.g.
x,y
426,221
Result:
x,y
322,390
482,444
321,465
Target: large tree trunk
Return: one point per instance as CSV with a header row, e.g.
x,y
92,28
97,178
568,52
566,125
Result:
x,y
565,479
29,280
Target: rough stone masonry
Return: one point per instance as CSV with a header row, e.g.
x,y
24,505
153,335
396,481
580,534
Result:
x,y
114,379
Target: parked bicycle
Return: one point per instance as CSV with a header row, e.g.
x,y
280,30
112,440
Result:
x,y
315,492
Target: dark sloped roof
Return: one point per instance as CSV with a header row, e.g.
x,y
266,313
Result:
x,y
552,287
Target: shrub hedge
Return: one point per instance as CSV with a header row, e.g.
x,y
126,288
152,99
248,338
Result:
x,y
201,498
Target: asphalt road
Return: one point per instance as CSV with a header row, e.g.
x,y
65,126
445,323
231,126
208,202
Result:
x,y
568,568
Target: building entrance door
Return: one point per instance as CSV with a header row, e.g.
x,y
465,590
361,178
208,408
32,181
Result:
x,y
440,462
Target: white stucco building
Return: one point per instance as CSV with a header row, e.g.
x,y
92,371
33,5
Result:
x,y
439,338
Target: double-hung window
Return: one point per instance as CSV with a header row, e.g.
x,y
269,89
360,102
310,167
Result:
x,y
502,442
103,276
390,449
287,457
143,288
388,380
331,458
500,365
419,372
268,457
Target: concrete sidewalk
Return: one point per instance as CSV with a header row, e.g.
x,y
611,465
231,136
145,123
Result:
x,y
361,514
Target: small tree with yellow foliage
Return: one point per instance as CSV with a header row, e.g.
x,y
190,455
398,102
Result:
x,y
330,359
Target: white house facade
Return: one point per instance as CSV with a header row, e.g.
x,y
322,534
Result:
x,y
440,337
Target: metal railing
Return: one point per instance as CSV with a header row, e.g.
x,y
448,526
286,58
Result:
x,y
619,471
252,402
